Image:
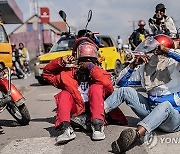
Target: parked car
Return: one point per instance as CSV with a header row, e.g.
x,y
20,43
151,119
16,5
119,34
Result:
x,y
5,48
113,59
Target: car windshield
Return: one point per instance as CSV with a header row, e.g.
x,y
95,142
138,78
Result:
x,y
63,44
3,35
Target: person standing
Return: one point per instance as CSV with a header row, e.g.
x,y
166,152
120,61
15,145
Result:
x,y
119,42
24,58
138,35
160,23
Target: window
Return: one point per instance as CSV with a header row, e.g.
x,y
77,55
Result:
x,y
41,27
63,44
3,35
106,41
29,27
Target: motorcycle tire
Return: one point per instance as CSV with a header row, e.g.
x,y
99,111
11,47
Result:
x,y
20,113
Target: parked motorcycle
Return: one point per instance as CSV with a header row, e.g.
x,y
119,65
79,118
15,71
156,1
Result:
x,y
11,99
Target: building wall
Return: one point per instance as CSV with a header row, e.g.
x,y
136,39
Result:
x,y
34,21
29,39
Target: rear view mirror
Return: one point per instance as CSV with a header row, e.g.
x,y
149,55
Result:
x,y
89,18
63,15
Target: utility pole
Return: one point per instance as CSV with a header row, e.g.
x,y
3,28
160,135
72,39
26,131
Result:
x,y
133,24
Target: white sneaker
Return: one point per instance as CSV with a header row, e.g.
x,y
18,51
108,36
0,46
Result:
x,y
98,130
65,136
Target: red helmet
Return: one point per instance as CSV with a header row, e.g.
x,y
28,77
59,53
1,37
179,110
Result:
x,y
141,23
87,49
165,40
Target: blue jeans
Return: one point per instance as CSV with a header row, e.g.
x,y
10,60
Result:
x,y
163,116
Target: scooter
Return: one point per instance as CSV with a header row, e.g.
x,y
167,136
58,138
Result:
x,y
11,99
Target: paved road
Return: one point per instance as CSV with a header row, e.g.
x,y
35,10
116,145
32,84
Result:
x,y
38,137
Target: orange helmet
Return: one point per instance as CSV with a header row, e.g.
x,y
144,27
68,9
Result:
x,y
141,23
165,40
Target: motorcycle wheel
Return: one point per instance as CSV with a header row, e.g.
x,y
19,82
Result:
x,y
20,113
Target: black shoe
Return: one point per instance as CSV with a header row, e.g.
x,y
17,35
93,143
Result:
x,y
125,140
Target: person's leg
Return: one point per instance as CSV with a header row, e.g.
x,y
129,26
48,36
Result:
x,y
65,107
96,102
138,103
163,116
19,70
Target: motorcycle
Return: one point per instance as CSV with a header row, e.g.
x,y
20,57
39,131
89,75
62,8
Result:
x,y
11,99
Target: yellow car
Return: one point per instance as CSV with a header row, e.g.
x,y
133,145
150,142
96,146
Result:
x,y
113,60
5,48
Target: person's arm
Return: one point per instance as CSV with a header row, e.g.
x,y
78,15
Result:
x,y
102,77
128,77
152,25
170,25
51,72
175,54
171,53
131,40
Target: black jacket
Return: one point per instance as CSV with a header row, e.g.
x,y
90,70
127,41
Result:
x,y
137,37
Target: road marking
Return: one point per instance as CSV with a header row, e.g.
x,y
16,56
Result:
x,y
43,145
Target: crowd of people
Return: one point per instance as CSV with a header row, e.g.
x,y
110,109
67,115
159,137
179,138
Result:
x,y
89,100
20,59
160,23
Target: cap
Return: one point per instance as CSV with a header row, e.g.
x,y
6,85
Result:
x,y
160,6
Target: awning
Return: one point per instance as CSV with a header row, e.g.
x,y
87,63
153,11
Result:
x,y
10,12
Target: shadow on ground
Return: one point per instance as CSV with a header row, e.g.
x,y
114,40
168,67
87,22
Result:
x,y
9,123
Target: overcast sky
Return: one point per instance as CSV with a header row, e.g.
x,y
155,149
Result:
x,y
112,17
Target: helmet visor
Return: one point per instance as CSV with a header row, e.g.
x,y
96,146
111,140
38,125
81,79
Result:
x,y
148,45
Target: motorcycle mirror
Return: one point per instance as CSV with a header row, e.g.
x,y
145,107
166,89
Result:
x,y
89,18
177,35
89,15
62,15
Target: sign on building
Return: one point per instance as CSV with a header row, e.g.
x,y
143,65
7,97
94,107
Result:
x,y
44,15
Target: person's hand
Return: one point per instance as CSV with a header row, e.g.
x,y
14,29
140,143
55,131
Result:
x,y
139,59
161,50
68,59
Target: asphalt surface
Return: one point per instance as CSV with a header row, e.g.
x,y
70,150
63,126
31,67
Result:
x,y
39,136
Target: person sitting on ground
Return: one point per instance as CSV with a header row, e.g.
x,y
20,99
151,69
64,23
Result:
x,y
84,87
159,73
